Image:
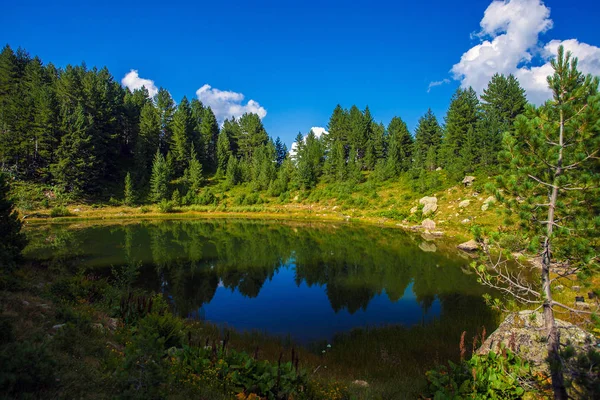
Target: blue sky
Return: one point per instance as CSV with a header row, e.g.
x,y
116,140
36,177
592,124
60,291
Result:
x,y
297,60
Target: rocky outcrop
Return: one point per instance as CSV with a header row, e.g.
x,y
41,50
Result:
x,y
524,333
429,205
471,245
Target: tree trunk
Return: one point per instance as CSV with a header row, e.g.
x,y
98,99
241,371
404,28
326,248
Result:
x,y
558,384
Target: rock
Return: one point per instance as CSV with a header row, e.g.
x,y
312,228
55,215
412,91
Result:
x,y
429,208
591,295
438,169
437,233
98,326
490,200
576,288
464,203
428,224
485,207
582,305
77,210
56,327
26,303
361,383
428,247
112,323
471,245
414,209
559,288
465,221
334,208
524,333
429,204
468,180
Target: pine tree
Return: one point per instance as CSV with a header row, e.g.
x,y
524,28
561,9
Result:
x,y
159,181
233,173
428,137
461,120
13,240
223,152
501,102
182,137
75,167
194,172
210,135
280,150
129,192
253,134
166,109
400,144
551,162
147,143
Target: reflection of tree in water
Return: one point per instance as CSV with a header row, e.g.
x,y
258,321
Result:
x,y
353,263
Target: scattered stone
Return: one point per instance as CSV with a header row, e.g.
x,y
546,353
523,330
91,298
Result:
x,y
44,306
465,221
26,303
576,288
427,200
428,224
464,203
77,210
361,383
296,198
438,169
56,327
428,247
475,194
112,324
471,245
414,209
485,207
559,288
524,333
582,304
468,180
490,200
334,208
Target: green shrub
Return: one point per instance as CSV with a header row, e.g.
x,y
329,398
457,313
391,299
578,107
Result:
x,y
145,209
60,211
206,198
490,376
166,206
27,369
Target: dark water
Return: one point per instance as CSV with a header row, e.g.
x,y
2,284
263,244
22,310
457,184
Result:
x,y
306,281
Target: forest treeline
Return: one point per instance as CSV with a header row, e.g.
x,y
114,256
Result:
x,y
78,129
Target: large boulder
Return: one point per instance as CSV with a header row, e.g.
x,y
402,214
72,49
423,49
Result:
x,y
471,245
524,334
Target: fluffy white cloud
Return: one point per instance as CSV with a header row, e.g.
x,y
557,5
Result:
x,y
133,81
317,130
437,83
226,104
510,32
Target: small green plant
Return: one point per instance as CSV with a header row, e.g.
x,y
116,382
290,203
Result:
x,y
129,193
60,211
166,206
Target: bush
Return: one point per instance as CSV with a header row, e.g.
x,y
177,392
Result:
x,y
206,198
496,376
27,368
166,206
60,211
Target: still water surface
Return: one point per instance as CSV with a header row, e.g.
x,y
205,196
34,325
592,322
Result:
x,y
306,281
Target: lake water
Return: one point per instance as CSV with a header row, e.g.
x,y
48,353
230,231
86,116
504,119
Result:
x,y
309,282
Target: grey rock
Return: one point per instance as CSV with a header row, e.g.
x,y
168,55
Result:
x,y
464,203
361,383
471,245
465,221
56,327
524,333
429,208
25,303
559,288
468,180
576,288
414,209
428,224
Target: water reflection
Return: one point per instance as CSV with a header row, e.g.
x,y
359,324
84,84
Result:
x,y
307,281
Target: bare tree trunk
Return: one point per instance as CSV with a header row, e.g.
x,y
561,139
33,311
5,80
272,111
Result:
x,y
558,383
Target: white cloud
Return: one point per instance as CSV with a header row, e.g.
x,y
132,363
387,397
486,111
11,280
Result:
x,y
317,130
437,83
133,81
512,29
226,104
